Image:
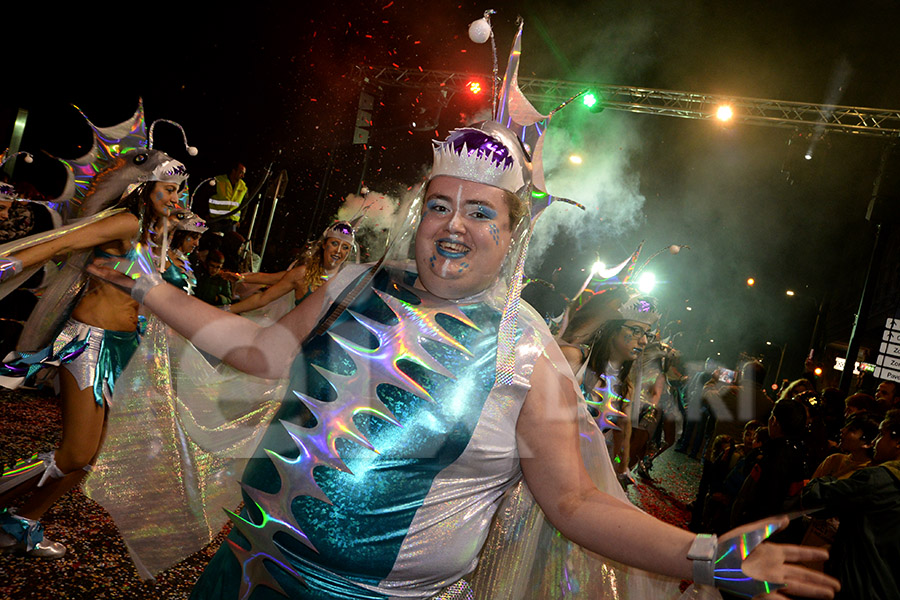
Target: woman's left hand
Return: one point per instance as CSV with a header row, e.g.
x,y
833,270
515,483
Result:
x,y
775,562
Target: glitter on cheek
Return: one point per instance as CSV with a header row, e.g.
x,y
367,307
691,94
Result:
x,y
463,267
495,233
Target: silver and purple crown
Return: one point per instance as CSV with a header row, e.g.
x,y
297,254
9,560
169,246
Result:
x,y
642,309
485,153
505,152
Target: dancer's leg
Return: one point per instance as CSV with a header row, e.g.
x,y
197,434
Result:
x,y
83,422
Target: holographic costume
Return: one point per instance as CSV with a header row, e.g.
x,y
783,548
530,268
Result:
x,y
181,278
396,401
104,358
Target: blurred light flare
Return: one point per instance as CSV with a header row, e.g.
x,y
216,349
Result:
x,y
598,266
724,112
790,292
575,159
751,282
646,282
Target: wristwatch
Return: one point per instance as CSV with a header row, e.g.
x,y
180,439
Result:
x,y
703,553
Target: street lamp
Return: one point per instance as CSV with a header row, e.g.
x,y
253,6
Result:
x,y
818,306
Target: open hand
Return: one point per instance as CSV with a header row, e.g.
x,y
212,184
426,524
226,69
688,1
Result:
x,y
775,562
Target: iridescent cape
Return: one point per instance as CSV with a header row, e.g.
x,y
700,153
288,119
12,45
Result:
x,y
179,431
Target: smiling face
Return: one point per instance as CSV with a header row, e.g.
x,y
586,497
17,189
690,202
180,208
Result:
x,y
334,253
463,237
163,198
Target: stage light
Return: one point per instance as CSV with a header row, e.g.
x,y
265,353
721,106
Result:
x,y
751,282
688,308
818,371
646,282
592,101
789,292
724,113
575,159
474,87
598,267
808,155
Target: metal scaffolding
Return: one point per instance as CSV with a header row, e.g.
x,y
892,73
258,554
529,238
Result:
x,y
878,122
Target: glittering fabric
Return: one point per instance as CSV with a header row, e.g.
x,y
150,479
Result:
x,y
382,474
179,432
103,360
526,558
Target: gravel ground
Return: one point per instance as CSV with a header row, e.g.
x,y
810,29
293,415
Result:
x,y
97,565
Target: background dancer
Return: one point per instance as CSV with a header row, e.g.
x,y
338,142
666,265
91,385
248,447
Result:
x,y
102,331
323,260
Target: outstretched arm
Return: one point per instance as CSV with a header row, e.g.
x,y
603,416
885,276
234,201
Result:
x,y
262,278
122,226
285,284
548,441
261,351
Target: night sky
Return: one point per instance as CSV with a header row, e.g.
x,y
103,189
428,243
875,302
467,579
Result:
x,y
269,82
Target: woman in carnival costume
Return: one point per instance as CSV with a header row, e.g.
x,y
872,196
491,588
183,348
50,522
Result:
x,y
420,394
322,261
188,229
84,324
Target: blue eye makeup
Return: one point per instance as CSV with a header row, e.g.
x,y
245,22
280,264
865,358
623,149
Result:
x,y
486,211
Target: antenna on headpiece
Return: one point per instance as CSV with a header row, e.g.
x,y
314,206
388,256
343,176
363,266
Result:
x,y
192,150
4,157
211,180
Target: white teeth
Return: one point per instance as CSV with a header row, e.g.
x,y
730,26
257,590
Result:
x,y
452,247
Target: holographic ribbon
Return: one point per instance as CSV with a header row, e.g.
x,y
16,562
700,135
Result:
x,y
19,368
9,267
21,471
506,337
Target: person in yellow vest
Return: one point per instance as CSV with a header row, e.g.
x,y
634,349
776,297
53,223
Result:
x,y
230,192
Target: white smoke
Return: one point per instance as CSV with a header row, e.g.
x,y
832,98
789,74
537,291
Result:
x,y
605,182
378,211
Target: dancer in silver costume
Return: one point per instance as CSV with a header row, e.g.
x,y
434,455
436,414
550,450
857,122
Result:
x,y
322,261
420,394
102,331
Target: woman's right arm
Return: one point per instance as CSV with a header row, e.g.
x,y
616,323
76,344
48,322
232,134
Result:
x,y
119,227
262,278
261,351
284,285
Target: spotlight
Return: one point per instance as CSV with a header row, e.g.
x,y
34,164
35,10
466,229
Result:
x,y
575,159
646,282
751,282
724,113
591,100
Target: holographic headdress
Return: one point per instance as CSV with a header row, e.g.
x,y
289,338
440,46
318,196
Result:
x,y
189,221
121,158
341,230
7,191
507,153
640,308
